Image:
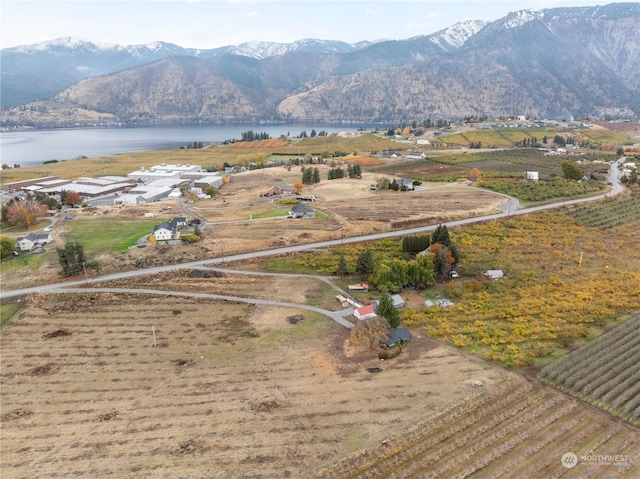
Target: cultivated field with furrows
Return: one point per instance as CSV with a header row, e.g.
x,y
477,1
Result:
x,y
604,372
519,430
425,168
606,214
230,391
298,289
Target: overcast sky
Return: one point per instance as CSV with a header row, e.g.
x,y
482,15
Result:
x,y
214,23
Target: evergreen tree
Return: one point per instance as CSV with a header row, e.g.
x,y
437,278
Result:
x,y
387,310
415,243
343,267
442,265
441,235
307,176
316,176
71,258
455,253
364,263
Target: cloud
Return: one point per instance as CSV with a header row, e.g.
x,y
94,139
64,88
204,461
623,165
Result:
x,y
252,14
370,11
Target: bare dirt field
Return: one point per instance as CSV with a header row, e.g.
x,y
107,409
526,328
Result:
x,y
231,390
298,289
346,204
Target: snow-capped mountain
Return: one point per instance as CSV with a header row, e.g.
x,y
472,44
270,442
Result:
x,y
456,35
517,19
536,63
262,50
39,71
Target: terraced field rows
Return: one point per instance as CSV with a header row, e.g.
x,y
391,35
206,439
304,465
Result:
x,y
609,213
604,372
521,431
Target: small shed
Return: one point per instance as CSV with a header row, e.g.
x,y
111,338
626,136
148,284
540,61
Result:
x,y
342,300
397,300
359,287
397,336
494,273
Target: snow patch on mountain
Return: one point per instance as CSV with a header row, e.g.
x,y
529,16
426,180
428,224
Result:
x,y
455,35
519,18
69,43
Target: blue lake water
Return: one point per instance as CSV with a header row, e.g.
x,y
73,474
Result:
x,y
33,147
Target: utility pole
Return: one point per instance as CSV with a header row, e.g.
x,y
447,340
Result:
x,y
84,268
222,245
580,262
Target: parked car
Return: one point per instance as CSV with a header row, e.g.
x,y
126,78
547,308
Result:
x,y
68,217
47,229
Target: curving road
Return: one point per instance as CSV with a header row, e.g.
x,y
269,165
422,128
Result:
x,y
507,209
337,316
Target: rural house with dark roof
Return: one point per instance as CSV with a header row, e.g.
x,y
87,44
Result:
x,y
301,210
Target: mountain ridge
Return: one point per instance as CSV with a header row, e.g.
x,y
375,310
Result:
x,y
554,62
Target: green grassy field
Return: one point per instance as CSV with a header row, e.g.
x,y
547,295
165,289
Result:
x,y
7,311
30,262
270,214
115,236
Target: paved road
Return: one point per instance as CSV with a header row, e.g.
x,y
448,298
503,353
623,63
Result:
x,y
507,209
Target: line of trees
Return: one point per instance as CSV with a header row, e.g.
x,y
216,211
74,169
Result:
x,y
354,171
415,243
335,173
393,274
313,134
310,176
250,135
